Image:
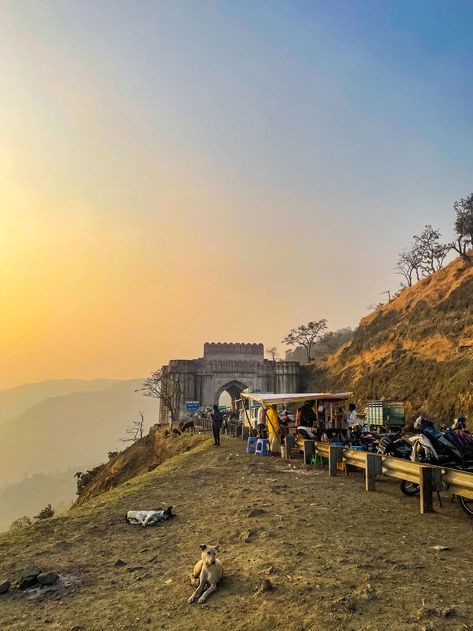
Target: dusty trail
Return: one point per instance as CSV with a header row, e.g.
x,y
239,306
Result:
x,y
337,557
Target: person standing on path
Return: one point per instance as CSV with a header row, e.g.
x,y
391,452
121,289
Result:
x,y
352,419
274,432
217,420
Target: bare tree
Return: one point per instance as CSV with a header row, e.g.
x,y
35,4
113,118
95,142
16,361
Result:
x,y
409,265
135,431
305,335
433,253
463,226
165,384
274,356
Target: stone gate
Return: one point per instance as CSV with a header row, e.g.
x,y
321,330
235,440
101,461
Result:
x,y
231,368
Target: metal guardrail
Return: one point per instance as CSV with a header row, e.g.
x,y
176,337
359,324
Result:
x,y
430,478
458,482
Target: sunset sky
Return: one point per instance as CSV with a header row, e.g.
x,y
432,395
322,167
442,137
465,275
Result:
x,y
180,171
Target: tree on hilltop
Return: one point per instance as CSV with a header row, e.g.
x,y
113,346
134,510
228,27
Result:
x,y
306,335
425,256
433,253
408,265
165,384
135,431
463,226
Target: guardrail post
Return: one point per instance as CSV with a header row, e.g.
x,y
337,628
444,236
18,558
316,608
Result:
x,y
373,468
245,433
308,451
334,456
426,488
289,442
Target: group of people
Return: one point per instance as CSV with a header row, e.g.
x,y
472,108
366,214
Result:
x,y
312,420
309,420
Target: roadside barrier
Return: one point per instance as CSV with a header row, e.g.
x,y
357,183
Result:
x,y
430,478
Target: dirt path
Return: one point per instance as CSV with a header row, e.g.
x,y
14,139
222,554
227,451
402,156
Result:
x,y
337,557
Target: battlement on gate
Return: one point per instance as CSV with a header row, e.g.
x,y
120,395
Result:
x,y
231,350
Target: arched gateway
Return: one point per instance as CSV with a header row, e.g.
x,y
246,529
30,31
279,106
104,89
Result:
x,y
231,368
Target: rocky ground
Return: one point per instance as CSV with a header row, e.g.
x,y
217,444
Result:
x,y
301,551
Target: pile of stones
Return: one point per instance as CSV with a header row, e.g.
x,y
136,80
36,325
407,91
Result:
x,y
31,577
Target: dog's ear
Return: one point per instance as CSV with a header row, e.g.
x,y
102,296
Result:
x,y
203,546
216,548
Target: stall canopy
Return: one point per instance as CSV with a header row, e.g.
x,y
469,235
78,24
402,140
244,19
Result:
x,y
268,398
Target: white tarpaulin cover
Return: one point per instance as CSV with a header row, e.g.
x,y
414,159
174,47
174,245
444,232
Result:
x,y
272,399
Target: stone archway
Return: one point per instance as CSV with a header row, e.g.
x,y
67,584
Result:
x,y
228,367
234,389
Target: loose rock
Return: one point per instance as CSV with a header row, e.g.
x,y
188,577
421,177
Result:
x,y
31,572
4,587
265,585
255,512
48,578
119,563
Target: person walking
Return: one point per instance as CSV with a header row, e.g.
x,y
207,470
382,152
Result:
x,y
217,420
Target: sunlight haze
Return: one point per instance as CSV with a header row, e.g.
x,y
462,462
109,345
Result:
x,y
177,172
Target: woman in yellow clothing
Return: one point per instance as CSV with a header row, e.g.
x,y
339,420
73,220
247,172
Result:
x,y
274,432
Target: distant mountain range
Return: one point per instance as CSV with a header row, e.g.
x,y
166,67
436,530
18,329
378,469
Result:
x,y
60,432
14,401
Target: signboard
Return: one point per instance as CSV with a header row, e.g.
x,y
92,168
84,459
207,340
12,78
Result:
x,y
192,406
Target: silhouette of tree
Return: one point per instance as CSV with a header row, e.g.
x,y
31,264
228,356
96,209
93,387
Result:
x,y
166,384
135,431
463,226
306,335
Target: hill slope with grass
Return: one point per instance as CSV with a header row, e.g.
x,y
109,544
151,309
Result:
x,y
300,550
145,455
417,348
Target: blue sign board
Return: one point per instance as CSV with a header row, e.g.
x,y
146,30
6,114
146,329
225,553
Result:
x,y
192,406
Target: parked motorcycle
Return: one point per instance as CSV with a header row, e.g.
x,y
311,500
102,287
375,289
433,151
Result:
x,y
432,447
366,439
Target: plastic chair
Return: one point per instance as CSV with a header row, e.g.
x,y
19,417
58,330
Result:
x,y
262,447
251,444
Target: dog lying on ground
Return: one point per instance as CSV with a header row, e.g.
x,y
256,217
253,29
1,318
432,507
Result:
x,y
149,517
207,571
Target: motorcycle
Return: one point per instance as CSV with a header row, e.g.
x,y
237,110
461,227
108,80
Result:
x,y
366,439
430,447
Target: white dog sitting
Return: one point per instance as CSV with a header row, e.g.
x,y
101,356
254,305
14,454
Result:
x,y
207,574
149,517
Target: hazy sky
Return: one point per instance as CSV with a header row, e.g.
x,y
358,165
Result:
x,y
175,172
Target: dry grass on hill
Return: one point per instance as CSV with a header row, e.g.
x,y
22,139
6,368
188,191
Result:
x,y
417,348
336,556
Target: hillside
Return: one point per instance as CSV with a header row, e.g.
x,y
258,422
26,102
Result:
x,y
32,494
15,401
77,429
417,348
317,553
140,457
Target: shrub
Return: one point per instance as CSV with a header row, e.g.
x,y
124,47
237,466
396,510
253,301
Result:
x,y
20,524
46,513
84,479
